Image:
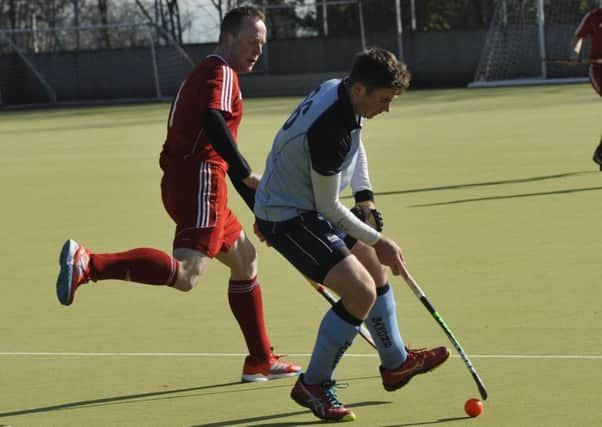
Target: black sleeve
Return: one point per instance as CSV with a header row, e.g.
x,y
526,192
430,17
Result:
x,y
222,141
329,143
364,196
247,194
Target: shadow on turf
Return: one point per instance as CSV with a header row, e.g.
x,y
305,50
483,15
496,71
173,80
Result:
x,y
248,421
511,196
481,184
110,400
169,394
426,423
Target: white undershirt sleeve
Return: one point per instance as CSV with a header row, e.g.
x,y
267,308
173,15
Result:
x,y
326,196
360,180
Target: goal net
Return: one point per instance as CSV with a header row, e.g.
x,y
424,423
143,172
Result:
x,y
522,34
71,64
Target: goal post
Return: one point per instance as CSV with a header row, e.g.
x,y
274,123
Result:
x,y
523,34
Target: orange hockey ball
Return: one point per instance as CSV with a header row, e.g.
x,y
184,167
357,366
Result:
x,y
473,407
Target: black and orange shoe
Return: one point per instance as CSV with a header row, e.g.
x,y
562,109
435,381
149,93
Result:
x,y
419,361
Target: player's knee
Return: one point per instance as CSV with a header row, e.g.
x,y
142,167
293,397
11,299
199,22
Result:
x,y
188,276
369,295
250,266
365,294
377,271
380,276
245,263
191,266
186,284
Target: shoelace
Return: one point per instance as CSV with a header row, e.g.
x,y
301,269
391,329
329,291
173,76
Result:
x,y
329,390
276,356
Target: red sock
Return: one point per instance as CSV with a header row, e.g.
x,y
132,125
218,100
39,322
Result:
x,y
142,265
245,301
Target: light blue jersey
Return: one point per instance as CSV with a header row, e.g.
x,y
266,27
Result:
x,y
322,134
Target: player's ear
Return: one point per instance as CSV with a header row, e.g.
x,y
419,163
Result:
x,y
358,89
227,38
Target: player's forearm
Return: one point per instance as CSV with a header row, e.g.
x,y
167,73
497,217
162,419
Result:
x,y
247,194
222,141
360,180
326,192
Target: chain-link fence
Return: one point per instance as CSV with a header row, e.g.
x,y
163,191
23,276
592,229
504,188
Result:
x,y
78,64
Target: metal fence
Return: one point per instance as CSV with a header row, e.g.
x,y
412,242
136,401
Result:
x,y
74,63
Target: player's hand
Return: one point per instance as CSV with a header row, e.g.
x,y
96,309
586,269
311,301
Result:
x,y
252,181
390,254
260,235
367,212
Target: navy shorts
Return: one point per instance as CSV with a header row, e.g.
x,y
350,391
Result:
x,y
309,242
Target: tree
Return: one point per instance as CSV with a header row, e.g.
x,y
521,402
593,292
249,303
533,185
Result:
x,y
103,13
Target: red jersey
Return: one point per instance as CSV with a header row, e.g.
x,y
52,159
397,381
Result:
x,y
591,25
212,84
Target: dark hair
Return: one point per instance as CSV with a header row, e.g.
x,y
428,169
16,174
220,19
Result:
x,y
379,68
232,22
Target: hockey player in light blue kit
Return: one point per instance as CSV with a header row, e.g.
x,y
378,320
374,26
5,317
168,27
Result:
x,y
318,152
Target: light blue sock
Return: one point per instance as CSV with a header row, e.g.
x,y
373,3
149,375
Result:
x,y
334,338
382,324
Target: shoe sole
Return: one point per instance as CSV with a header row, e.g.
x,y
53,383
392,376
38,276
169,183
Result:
x,y
248,378
345,418
63,283
397,386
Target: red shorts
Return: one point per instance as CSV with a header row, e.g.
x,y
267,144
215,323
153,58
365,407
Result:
x,y
595,77
195,196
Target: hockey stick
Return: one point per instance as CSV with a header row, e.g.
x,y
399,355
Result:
x,y
418,292
248,196
363,331
574,61
321,289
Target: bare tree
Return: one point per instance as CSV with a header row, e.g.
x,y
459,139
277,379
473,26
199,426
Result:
x,y
224,6
103,13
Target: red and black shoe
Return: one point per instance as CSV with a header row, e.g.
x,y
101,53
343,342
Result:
x,y
419,361
322,400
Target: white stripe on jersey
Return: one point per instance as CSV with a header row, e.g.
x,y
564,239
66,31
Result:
x,y
175,104
226,100
204,196
230,88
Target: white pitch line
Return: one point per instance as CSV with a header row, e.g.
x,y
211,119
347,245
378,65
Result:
x,y
473,356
